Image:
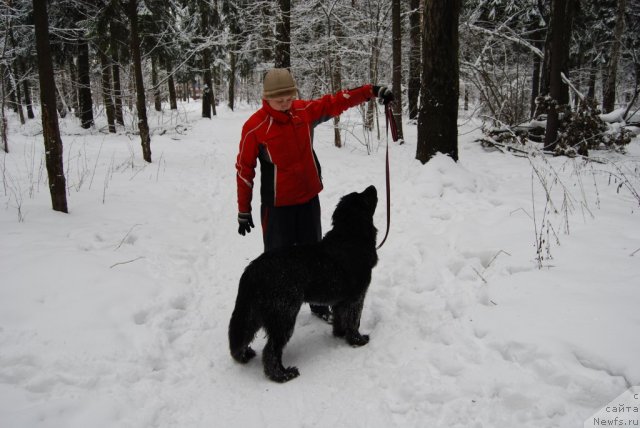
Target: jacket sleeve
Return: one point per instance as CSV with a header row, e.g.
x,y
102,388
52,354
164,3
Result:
x,y
246,168
332,105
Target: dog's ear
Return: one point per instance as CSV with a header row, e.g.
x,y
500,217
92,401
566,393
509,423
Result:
x,y
347,209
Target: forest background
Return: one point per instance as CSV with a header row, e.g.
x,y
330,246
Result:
x,y
509,61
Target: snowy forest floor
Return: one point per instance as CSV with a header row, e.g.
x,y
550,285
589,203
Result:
x,y
116,314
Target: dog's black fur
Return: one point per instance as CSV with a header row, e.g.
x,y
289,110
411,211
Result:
x,y
335,272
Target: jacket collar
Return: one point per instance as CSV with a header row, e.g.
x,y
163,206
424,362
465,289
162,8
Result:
x,y
278,116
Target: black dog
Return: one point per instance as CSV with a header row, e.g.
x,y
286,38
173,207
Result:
x,y
335,272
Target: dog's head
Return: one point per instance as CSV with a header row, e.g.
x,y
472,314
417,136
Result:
x,y
355,210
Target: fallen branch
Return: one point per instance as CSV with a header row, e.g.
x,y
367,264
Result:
x,y
124,263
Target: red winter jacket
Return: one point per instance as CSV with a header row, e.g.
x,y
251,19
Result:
x,y
283,143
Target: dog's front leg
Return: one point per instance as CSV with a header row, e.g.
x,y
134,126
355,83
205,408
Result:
x,y
346,322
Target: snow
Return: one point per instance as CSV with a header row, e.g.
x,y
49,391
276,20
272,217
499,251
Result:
x,y
115,315
614,116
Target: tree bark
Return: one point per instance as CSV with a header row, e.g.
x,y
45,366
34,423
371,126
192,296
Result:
x,y
558,53
75,86
106,91
27,91
115,73
16,88
396,24
50,127
8,88
235,37
172,87
141,103
413,87
283,38
373,78
208,106
157,101
336,79
609,95
438,115
232,79
593,74
4,133
535,74
84,80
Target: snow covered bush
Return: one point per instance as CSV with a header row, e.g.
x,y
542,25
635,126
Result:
x,y
583,129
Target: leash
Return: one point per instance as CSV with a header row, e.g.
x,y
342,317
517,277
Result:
x,y
391,123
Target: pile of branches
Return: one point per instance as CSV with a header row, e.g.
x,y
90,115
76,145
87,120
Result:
x,y
580,130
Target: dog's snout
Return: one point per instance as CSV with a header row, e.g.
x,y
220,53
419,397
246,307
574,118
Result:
x,y
371,191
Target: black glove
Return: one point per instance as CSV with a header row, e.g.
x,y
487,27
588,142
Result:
x,y
383,93
245,223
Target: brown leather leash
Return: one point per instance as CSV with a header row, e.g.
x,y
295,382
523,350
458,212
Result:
x,y
391,124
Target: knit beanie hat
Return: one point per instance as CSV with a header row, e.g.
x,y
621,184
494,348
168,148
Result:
x,y
278,82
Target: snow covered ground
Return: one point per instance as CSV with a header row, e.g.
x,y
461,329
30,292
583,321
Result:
x,y
115,315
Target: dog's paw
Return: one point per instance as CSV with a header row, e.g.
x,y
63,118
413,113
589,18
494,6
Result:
x,y
245,355
358,340
285,375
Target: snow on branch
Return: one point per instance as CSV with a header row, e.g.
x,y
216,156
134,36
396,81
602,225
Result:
x,y
509,37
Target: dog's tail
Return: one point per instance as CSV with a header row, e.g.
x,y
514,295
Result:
x,y
244,322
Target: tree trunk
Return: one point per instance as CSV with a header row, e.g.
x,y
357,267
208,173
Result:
x,y
4,133
50,127
438,115
232,79
373,78
396,24
593,74
106,91
609,95
283,38
86,102
115,73
75,93
27,91
336,79
16,88
172,88
60,101
6,81
141,103
266,33
413,87
558,52
207,94
157,102
535,74
207,88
